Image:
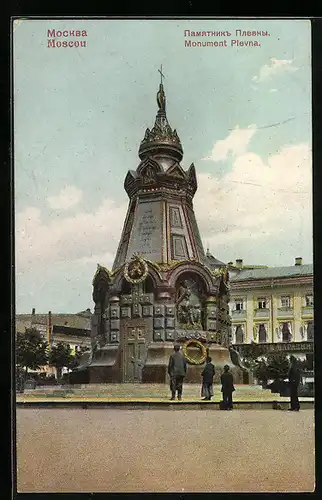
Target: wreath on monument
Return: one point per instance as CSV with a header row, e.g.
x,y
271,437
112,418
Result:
x,y
136,270
202,349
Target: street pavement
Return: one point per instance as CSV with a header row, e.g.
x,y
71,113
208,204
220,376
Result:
x,y
118,450
149,392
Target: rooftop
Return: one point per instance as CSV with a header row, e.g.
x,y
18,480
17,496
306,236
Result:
x,y
78,321
212,261
273,272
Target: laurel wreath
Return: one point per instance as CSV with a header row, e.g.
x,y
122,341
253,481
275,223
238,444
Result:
x,y
202,349
137,280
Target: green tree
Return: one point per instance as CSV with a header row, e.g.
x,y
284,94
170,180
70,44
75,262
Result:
x,y
277,366
60,355
260,372
251,353
31,350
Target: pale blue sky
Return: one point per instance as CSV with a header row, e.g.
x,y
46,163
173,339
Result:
x,y
80,114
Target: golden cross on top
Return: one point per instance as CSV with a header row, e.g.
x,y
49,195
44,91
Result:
x,y
162,75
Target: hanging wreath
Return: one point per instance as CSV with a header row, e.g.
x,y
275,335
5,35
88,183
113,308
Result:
x,y
136,270
202,349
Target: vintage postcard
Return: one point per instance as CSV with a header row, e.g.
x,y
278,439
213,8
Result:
x,y
164,328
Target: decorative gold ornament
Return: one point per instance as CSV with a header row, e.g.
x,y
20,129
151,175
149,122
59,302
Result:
x,y
136,270
202,349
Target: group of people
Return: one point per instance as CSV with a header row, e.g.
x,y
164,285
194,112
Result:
x,y
177,369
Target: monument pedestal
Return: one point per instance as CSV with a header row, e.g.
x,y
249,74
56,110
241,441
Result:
x,y
155,370
156,366
104,368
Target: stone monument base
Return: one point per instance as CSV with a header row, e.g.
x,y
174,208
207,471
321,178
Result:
x,y
156,366
106,368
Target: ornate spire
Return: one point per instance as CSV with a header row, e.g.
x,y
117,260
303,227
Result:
x,y
161,139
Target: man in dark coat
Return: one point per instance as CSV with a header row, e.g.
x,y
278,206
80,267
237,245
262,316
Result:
x,y
227,388
294,381
207,374
177,369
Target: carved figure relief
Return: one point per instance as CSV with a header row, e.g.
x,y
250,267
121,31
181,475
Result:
x,y
189,308
161,99
149,175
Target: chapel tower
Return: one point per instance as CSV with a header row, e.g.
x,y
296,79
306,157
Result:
x,y
162,288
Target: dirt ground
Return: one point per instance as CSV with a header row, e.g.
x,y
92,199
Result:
x,y
111,450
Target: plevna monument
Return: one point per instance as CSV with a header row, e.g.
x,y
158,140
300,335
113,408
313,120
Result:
x,y
163,287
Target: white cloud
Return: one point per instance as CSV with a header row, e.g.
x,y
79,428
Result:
x,y
68,197
276,66
257,201
235,143
82,238
257,207
273,90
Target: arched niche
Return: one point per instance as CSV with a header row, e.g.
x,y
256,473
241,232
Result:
x,y
149,285
148,165
101,285
197,270
190,295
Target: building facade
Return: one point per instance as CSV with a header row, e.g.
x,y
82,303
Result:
x,y
272,305
71,329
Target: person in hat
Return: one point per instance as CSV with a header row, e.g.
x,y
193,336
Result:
x,y
177,370
207,374
227,388
294,381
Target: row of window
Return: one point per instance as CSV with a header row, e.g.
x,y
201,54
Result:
x,y
285,302
284,333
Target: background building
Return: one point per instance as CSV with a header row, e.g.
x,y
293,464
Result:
x,y
273,306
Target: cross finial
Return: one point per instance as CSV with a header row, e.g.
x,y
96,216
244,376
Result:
x,y
162,75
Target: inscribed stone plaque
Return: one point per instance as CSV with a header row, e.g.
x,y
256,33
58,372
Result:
x,y
175,217
178,247
146,237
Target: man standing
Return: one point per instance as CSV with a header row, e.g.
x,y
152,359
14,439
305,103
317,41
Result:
x,y
207,374
177,369
227,388
294,380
